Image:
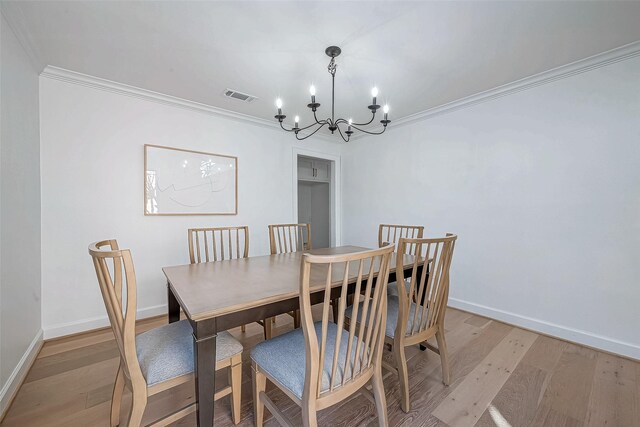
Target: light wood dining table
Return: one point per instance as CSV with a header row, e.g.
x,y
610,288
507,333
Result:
x,y
221,295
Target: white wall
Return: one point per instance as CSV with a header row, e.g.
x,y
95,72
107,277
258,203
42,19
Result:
x,y
92,161
543,189
20,333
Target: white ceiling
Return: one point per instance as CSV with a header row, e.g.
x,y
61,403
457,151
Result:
x,y
420,54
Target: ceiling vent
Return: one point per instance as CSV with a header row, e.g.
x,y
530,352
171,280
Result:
x,y
230,93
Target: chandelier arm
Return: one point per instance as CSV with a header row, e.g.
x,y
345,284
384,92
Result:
x,y
320,122
311,134
342,136
311,125
284,128
373,116
368,132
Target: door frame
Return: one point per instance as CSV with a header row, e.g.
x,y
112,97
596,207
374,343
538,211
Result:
x,y
335,190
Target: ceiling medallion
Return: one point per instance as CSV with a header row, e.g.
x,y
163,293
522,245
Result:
x,y
333,123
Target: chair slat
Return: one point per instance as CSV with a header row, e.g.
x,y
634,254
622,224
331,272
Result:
x,y
287,238
342,307
348,363
396,232
217,244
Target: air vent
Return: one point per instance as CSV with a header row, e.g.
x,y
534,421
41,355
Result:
x,y
230,93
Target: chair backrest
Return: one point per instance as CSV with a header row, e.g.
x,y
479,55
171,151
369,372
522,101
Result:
x,y
285,238
117,280
365,338
390,234
429,291
218,244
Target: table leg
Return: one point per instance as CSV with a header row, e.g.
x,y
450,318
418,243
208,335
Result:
x,y
205,362
172,306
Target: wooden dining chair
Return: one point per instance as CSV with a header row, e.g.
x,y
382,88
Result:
x,y
287,238
158,359
388,234
323,363
417,313
219,244
391,233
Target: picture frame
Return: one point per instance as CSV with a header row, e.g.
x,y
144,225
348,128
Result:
x,y
187,182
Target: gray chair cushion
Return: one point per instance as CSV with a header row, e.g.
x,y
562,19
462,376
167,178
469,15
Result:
x,y
167,352
392,288
393,310
283,357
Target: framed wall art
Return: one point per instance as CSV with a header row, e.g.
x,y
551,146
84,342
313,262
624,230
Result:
x,y
186,182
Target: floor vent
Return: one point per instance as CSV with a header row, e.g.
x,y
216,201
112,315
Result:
x,y
230,93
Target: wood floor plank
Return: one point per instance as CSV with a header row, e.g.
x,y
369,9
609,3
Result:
x,y
545,353
517,401
613,401
465,405
65,361
478,321
570,385
548,417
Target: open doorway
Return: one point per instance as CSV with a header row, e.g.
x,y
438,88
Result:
x,y
316,177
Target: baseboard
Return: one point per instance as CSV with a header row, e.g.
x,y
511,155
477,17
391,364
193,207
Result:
x,y
18,375
83,325
585,338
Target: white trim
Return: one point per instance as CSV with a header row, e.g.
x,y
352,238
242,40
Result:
x,y
612,56
574,335
86,80
11,387
336,190
583,65
83,325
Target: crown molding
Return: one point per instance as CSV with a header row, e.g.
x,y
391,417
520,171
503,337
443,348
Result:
x,y
14,18
86,80
612,56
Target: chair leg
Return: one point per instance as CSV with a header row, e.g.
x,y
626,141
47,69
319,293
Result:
x,y
403,375
309,414
116,397
267,327
138,404
381,401
259,386
243,329
296,319
235,379
444,356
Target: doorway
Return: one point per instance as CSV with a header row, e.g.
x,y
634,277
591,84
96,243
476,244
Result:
x,y
316,177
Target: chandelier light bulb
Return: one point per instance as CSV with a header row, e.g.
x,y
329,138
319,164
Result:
x,y
374,91
385,109
312,90
279,103
296,119
350,122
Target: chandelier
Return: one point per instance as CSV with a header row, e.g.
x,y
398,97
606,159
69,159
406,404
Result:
x,y
333,123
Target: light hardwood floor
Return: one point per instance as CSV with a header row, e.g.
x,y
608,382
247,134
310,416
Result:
x,y
501,376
